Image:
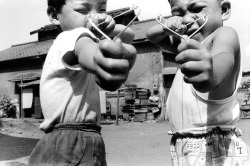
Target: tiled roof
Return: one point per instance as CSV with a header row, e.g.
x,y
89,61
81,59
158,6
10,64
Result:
x,y
25,50
246,73
33,49
113,13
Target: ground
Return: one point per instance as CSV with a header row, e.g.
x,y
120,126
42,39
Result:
x,y
127,144
26,128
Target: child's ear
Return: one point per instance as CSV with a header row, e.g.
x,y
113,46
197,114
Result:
x,y
225,10
53,16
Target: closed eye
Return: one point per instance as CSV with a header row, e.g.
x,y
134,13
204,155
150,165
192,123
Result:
x,y
82,11
196,8
103,10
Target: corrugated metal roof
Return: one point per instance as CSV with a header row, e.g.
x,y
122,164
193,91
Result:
x,y
26,76
36,82
141,27
33,49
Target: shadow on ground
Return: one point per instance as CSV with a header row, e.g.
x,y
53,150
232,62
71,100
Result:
x,y
15,147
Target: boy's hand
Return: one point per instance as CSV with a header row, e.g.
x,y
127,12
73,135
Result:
x,y
196,65
175,23
105,22
112,63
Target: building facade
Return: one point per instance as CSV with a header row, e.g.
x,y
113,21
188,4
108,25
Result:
x,y
21,65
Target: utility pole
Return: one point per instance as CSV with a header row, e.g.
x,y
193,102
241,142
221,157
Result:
x,y
21,99
118,107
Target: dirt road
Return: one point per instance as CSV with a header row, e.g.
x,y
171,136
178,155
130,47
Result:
x,y
133,144
137,144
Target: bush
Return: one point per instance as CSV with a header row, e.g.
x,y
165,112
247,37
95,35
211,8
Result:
x,y
9,109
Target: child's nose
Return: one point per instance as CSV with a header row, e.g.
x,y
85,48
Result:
x,y
93,12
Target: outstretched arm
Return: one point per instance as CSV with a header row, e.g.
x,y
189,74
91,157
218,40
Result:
x,y
127,36
159,37
166,36
212,67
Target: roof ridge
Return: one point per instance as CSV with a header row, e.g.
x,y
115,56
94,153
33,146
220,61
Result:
x,y
15,45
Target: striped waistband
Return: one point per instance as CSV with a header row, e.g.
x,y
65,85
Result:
x,y
206,129
216,131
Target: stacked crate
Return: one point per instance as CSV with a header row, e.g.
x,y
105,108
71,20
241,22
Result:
x,y
137,110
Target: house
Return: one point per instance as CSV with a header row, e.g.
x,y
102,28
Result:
x,y
244,89
21,65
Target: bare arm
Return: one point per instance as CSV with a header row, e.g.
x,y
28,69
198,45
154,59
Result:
x,y
226,60
127,36
85,49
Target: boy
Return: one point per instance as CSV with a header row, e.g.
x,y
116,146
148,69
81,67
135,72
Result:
x,y
69,94
202,104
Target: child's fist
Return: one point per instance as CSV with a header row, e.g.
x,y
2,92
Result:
x,y
106,23
196,64
175,23
113,63
103,21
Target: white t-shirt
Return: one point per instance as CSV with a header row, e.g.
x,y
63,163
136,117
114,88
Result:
x,y
68,94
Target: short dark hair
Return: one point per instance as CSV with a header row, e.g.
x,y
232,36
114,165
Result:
x,y
55,5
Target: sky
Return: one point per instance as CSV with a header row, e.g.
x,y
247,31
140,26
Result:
x,y
20,17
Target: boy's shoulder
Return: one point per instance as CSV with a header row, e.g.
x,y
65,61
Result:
x,y
225,34
225,31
